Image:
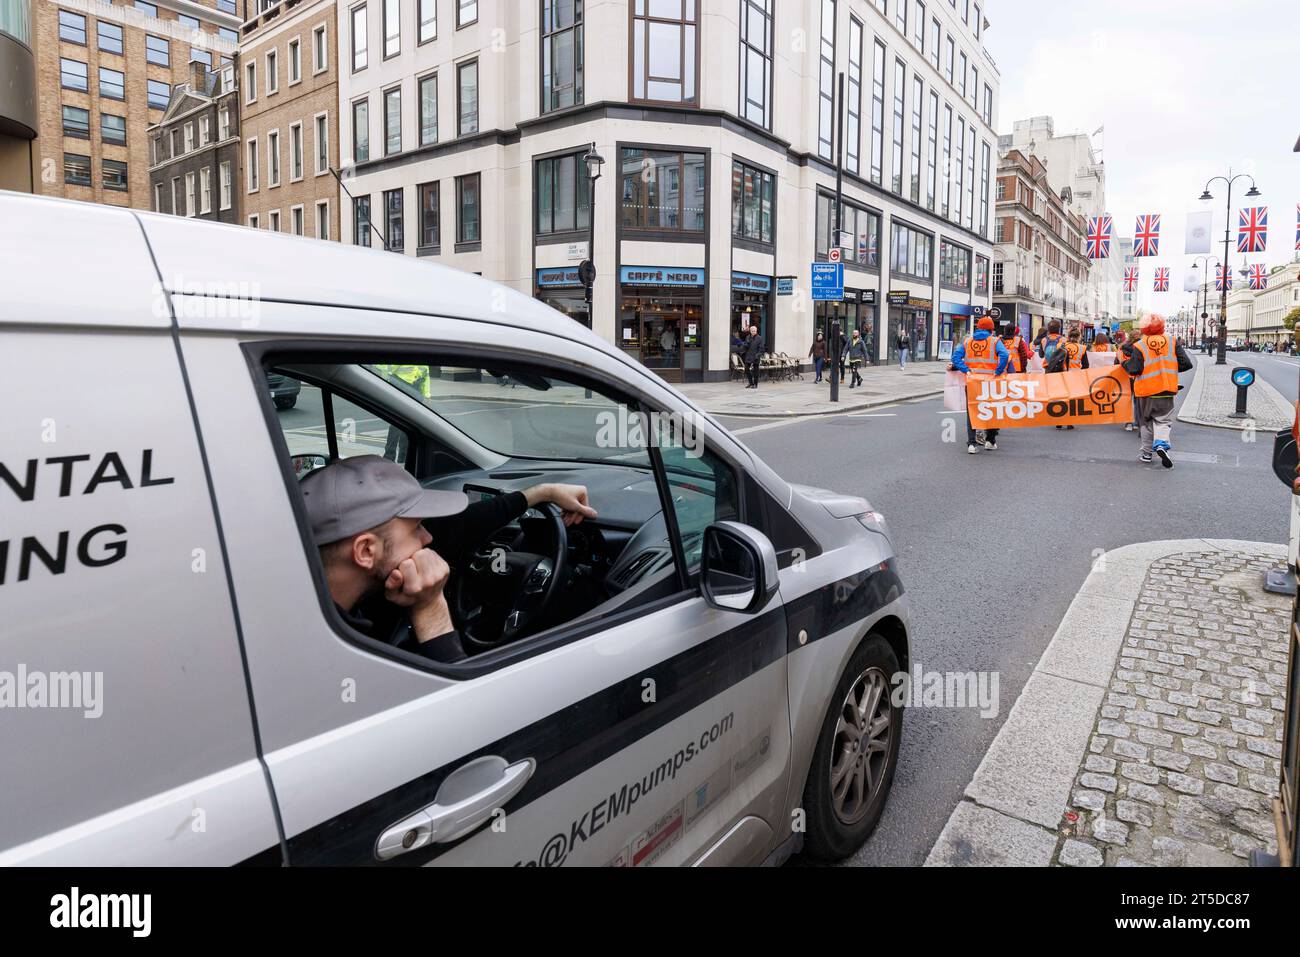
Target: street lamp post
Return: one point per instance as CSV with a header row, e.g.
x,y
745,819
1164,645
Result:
x,y
1202,296
1222,358
587,271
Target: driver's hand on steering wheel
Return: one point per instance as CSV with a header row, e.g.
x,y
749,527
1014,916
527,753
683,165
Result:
x,y
571,500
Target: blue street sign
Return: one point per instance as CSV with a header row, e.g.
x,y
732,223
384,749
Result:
x,y
828,282
1243,378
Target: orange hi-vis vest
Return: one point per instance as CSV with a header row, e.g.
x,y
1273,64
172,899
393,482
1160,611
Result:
x,y
1013,350
1105,348
1159,366
1072,352
981,356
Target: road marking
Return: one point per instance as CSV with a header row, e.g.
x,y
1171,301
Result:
x,y
764,427
873,415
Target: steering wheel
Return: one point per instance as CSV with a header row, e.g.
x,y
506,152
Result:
x,y
503,592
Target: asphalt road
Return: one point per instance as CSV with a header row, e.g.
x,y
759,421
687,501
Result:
x,y
994,546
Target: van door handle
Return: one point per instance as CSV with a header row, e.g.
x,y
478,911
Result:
x,y
466,799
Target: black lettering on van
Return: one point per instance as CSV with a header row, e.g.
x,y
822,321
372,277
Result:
x,y
146,472
65,480
55,563
102,474
27,490
115,550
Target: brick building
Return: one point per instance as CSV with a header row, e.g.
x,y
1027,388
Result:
x,y
105,72
194,150
288,82
1040,270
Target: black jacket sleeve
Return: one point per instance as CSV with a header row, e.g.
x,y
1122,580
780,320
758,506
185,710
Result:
x,y
456,536
1085,359
1184,360
1133,363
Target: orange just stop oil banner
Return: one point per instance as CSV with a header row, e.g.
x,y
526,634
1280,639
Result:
x,y
1026,400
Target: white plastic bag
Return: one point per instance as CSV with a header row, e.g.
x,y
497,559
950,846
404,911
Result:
x,y
954,391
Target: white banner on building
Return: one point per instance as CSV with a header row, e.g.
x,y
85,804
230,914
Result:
x,y
1192,281
1198,233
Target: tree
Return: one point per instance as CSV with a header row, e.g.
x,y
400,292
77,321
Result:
x,y
1291,319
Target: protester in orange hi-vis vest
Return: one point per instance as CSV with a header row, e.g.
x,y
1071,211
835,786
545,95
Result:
x,y
1101,343
980,356
1017,349
1066,356
1154,360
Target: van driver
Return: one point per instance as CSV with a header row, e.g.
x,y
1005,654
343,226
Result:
x,y
374,524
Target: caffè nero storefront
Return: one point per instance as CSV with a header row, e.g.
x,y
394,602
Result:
x,y
661,319
560,288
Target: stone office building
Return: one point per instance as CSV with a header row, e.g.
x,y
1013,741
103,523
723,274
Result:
x,y
464,125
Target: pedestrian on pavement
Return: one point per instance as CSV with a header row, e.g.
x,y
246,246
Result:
x,y
751,356
1016,346
844,355
1154,361
904,347
818,354
981,356
857,356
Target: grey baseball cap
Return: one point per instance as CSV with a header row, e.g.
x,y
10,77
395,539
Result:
x,y
355,495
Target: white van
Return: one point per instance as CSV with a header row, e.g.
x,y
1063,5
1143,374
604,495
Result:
x,y
703,679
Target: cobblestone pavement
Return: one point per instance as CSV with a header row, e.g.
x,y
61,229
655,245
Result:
x,y
1212,398
1184,758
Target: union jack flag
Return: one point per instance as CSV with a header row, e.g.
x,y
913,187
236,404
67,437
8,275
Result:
x,y
1146,238
1258,278
1162,279
1252,230
1130,278
1220,276
1099,232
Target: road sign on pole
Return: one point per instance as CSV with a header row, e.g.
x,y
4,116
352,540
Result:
x,y
828,282
834,255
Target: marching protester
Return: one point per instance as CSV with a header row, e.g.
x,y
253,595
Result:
x,y
1063,355
1155,360
981,356
857,356
818,354
1016,347
1122,346
1052,340
1101,343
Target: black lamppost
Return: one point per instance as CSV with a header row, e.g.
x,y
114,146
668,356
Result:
x,y
1202,295
587,271
1222,358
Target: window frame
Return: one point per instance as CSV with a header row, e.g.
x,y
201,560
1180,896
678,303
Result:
x,y
853,95
63,74
386,97
395,8
205,190
273,178
420,21
225,185
761,176
420,82
320,44
363,102
665,233
294,67
878,77
461,68
73,29
296,142
581,185
362,237
298,219
272,63
421,190
693,101
463,243
321,143
100,26
151,51
75,132
390,244
322,204
252,166
88,181
683,586
546,51
121,85
766,54
358,15
149,95
826,138
113,140
461,6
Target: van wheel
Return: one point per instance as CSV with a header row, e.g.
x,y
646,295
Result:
x,y
857,754
286,402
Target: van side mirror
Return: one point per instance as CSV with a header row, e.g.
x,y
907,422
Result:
x,y
738,570
302,464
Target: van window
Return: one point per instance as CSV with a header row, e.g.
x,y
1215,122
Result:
x,y
507,437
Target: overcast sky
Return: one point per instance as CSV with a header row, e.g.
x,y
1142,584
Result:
x,y
1184,88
